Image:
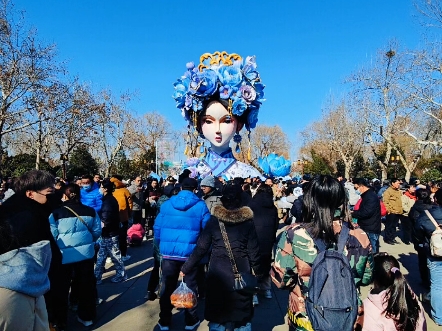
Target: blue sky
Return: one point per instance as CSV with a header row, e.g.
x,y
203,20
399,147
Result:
x,y
304,49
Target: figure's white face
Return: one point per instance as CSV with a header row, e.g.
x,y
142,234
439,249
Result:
x,y
218,126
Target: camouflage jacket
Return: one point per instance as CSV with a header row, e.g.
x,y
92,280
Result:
x,y
294,257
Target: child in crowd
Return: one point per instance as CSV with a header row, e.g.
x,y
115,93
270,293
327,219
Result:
x,y
391,305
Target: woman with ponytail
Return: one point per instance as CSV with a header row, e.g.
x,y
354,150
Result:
x,y
391,305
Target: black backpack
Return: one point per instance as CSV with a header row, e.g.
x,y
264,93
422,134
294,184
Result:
x,y
332,301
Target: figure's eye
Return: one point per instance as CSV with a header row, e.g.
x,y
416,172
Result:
x,y
208,121
228,120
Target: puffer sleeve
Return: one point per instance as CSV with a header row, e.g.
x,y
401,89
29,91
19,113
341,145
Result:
x,y
202,246
283,272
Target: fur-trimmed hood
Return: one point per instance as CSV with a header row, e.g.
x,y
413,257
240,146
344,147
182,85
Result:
x,y
232,216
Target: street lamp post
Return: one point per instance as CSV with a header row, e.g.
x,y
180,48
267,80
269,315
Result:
x,y
301,164
394,161
63,158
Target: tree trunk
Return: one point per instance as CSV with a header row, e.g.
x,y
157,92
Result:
x,y
37,157
1,153
347,168
407,175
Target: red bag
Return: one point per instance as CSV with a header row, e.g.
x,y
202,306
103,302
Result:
x,y
383,209
356,206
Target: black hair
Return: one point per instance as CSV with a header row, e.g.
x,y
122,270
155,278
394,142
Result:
x,y
119,177
324,195
402,305
393,180
7,239
231,197
87,177
34,180
438,197
360,181
185,174
72,191
238,180
423,195
266,189
108,185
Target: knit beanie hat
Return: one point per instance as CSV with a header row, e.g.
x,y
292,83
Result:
x,y
208,181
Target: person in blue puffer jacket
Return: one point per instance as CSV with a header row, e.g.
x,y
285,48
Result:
x,y
176,231
76,228
90,194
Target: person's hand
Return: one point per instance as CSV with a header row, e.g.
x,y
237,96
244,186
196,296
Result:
x,y
181,274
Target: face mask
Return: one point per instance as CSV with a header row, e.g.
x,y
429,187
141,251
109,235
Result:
x,y
86,187
101,191
358,193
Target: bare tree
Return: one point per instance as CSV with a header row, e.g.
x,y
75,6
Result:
x,y
430,12
385,105
26,67
112,127
147,133
340,132
263,141
78,119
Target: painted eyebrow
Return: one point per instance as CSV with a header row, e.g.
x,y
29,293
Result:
x,y
208,117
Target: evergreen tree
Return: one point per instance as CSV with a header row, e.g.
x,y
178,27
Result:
x,y
318,166
17,165
81,162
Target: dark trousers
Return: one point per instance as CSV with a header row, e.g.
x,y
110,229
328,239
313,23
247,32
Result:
x,y
391,222
406,229
122,238
170,271
154,278
137,216
423,267
75,288
85,291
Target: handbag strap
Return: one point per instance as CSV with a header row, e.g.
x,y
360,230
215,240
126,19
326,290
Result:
x,y
432,219
228,248
78,216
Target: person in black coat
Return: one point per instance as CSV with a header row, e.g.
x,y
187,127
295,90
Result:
x,y
425,228
422,203
368,213
265,217
109,245
27,212
225,307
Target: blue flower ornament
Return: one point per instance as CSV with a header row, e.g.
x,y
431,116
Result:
x,y
229,75
274,165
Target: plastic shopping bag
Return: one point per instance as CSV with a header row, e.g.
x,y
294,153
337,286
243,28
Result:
x,y
183,297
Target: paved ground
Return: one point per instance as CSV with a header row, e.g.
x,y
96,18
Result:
x,y
124,307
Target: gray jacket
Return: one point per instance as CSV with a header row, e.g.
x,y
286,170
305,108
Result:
x,y
137,197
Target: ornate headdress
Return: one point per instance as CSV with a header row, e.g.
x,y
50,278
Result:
x,y
227,74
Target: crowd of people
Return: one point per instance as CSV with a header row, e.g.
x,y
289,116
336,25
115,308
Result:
x,y
215,227
63,233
